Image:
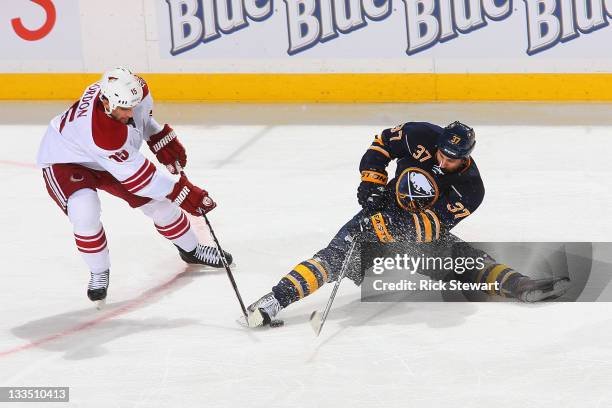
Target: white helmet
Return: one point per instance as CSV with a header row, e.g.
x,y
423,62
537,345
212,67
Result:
x,y
121,88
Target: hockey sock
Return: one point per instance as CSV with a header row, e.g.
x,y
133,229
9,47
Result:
x,y
84,214
303,280
172,223
93,250
179,232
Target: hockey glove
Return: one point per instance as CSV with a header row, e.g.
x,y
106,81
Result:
x,y
372,197
190,198
168,149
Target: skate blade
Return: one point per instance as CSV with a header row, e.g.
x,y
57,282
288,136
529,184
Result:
x,y
316,322
100,304
255,319
209,268
242,322
559,289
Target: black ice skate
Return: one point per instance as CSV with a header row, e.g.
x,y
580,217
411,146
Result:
x,y
535,290
97,288
205,255
263,311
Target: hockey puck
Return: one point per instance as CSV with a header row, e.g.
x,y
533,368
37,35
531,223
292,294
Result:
x,y
277,323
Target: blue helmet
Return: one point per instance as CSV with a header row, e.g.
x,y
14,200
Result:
x,y
457,140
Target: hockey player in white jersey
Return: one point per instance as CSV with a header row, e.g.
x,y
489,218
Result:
x,y
93,146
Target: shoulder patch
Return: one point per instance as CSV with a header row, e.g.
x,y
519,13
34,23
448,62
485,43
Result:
x,y
107,133
145,87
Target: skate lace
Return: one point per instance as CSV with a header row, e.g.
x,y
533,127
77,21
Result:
x,y
207,254
98,281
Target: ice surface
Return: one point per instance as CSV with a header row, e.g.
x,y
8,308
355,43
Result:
x,y
285,178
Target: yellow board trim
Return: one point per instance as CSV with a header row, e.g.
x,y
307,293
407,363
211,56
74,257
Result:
x,y
329,87
308,276
297,285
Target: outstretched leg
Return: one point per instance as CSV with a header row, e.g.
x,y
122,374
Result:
x,y
83,210
502,279
309,275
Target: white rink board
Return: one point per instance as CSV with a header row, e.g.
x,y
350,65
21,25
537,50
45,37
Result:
x,y
310,36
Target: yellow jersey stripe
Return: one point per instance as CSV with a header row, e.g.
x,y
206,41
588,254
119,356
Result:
x,y
436,221
378,222
417,227
427,225
378,139
381,151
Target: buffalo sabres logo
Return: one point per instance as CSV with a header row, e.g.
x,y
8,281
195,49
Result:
x,y
415,190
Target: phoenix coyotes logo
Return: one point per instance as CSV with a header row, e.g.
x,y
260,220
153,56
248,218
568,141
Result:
x,y
416,190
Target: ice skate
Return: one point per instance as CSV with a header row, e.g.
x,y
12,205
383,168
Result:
x,y
97,288
205,255
536,290
263,311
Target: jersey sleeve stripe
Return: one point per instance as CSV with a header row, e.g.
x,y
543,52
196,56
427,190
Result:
x,y
144,183
427,225
134,176
381,151
378,139
417,227
141,178
436,221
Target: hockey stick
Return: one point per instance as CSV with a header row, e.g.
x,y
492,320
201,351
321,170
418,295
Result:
x,y
317,320
221,253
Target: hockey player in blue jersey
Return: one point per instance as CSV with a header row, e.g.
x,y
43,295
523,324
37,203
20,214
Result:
x,y
436,185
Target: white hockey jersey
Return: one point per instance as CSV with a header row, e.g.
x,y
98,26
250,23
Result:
x,y
85,135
